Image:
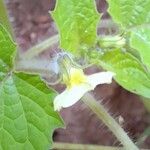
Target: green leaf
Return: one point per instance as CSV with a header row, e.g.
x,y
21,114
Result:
x,y
27,117
135,14
77,23
130,74
7,52
140,40
130,13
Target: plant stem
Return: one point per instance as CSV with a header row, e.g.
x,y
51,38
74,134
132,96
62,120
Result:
x,y
71,146
4,18
37,49
34,66
103,115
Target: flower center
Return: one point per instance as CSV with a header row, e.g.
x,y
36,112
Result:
x,y
76,77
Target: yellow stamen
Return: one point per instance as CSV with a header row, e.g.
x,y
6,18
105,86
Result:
x,y
76,77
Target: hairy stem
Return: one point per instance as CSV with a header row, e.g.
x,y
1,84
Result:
x,y
70,146
33,66
4,18
103,115
37,49
73,146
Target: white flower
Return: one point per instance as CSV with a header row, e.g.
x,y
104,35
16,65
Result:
x,y
78,85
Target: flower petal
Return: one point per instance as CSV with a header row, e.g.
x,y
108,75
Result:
x,y
100,78
71,96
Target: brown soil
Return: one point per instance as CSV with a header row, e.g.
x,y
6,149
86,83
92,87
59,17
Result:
x,y
32,24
